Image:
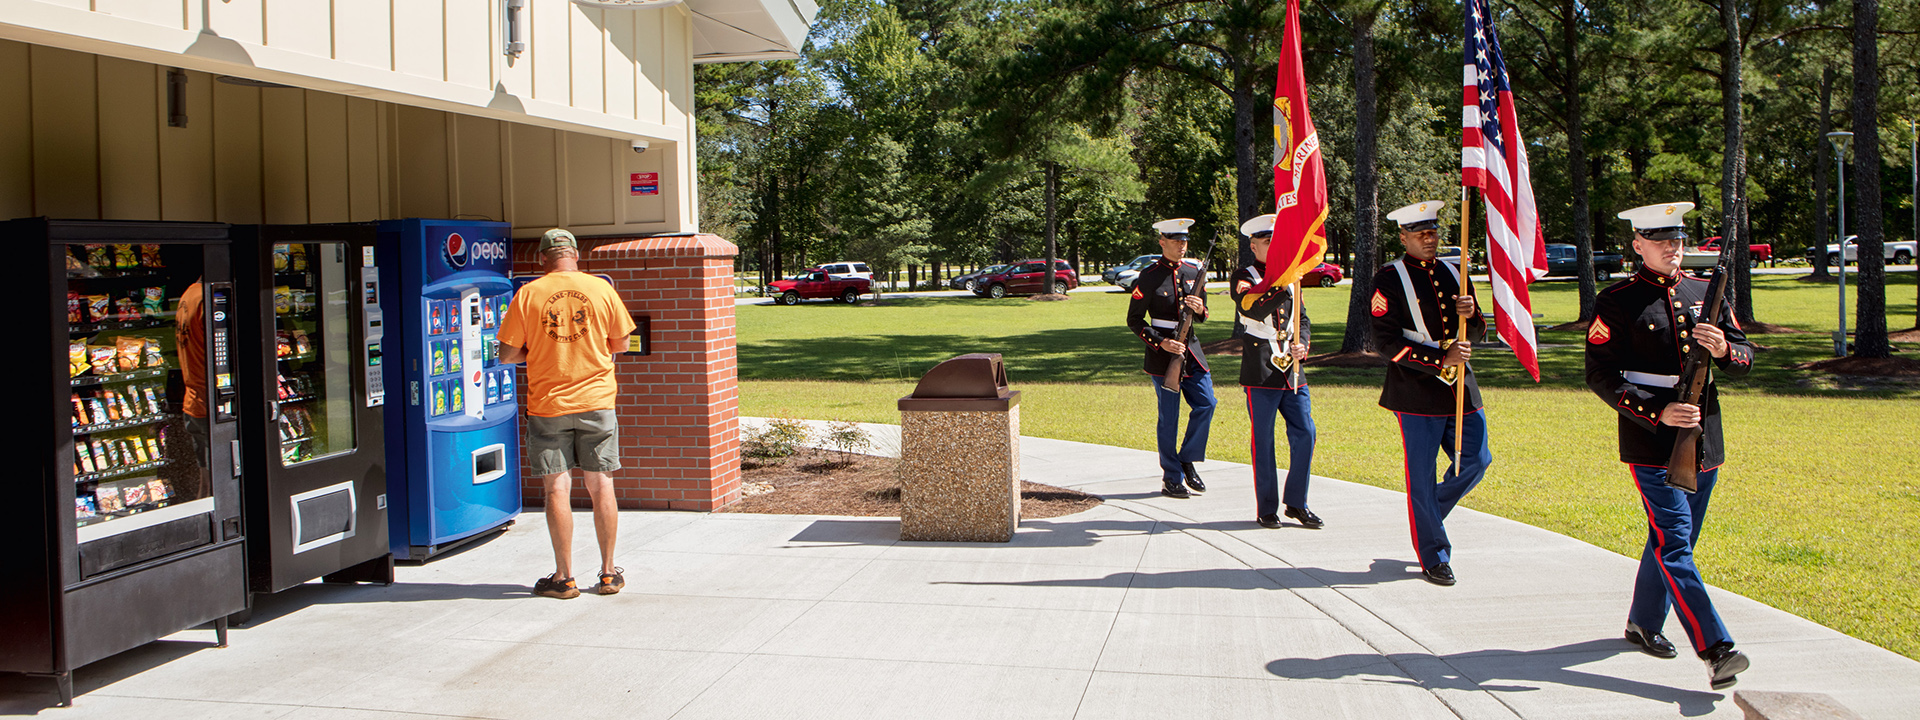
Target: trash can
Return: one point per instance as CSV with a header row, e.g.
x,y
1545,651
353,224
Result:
x,y
960,453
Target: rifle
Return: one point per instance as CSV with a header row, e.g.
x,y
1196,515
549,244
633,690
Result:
x,y
1683,466
1177,366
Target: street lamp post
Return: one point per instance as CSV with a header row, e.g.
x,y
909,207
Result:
x,y
1840,140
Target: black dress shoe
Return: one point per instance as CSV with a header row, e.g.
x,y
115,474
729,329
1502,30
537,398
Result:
x,y
1173,489
1723,663
1441,574
1193,478
1306,517
1653,644
1268,521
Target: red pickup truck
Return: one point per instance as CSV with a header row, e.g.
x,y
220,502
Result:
x,y
816,283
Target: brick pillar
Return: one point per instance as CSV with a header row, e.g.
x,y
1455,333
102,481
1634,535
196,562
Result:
x,y
679,407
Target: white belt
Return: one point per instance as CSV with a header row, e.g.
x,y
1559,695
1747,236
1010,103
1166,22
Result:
x,y
1419,338
1168,324
1640,378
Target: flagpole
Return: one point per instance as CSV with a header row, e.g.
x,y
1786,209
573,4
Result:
x,y
1293,335
1460,331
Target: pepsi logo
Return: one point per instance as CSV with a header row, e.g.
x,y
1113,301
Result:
x,y
455,250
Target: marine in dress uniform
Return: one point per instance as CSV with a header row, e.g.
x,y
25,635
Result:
x,y
1270,354
1159,293
1416,307
1643,328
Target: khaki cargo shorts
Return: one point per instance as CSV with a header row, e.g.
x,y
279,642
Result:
x,y
586,440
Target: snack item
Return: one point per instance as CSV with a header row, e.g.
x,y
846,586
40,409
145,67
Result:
x,y
150,257
80,412
99,308
77,358
126,257
76,308
109,499
126,309
84,508
153,448
136,494
126,451
301,345
153,356
280,259
157,490
86,457
77,264
100,257
140,451
282,299
129,352
282,345
153,302
99,410
113,408
163,442
153,398
297,258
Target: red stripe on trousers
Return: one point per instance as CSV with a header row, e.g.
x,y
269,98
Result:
x,y
1406,471
1673,588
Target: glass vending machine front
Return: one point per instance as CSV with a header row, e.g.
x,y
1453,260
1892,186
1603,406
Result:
x,y
136,347
314,387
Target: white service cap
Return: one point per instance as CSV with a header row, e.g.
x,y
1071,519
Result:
x,y
1418,216
1176,226
1259,224
1663,221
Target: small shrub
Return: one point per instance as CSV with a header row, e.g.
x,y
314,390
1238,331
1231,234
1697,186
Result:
x,y
847,438
778,440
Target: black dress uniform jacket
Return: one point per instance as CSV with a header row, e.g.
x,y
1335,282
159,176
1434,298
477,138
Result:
x,y
1413,370
1156,296
1644,325
1256,353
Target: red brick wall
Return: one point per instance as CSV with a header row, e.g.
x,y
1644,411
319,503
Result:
x,y
679,407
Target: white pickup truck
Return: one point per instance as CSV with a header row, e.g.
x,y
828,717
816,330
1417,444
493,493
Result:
x,y
1896,252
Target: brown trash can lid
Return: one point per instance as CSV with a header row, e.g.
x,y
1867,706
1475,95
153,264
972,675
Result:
x,y
976,381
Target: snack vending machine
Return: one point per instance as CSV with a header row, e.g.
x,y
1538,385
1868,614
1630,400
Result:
x,y
453,425
121,525
310,366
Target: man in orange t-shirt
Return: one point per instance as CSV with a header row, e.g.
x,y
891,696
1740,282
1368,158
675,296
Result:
x,y
567,326
190,337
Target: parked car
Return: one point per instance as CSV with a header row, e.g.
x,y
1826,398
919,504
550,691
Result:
x,y
817,283
847,269
1122,276
1756,252
1896,252
1451,253
967,281
1325,274
1027,277
1564,261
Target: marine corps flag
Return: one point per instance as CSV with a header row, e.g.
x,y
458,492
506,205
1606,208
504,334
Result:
x,y
1299,178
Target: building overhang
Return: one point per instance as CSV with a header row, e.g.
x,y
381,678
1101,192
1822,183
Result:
x,y
749,30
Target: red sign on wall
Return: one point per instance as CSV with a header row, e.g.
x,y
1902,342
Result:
x,y
643,183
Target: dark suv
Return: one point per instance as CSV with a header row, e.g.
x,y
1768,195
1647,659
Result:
x,y
1027,277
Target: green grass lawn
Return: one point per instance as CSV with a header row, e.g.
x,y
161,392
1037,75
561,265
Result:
x,y
1811,516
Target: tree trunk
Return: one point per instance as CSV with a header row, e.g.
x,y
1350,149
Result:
x,y
1577,158
1870,333
1366,188
1733,160
1821,230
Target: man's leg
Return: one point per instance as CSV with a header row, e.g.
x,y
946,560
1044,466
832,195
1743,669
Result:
x,y
1671,518
1297,410
1198,389
1261,403
1473,462
606,515
560,522
1167,430
1420,443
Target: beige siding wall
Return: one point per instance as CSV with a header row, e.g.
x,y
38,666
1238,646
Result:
x,y
90,140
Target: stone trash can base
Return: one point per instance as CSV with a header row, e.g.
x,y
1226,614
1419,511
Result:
x,y
960,475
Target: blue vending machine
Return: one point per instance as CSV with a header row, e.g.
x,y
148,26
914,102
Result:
x,y
453,426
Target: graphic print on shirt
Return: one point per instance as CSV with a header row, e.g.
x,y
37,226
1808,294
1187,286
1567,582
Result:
x,y
564,315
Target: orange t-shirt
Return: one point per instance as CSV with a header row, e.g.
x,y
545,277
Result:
x,y
190,335
565,320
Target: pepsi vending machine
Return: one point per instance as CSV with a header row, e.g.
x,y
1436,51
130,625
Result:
x,y
453,431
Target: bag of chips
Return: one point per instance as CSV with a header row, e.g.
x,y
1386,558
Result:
x,y
130,352
157,490
282,299
127,309
152,355
84,508
99,308
280,258
76,308
100,358
100,257
153,302
136,494
297,258
301,345
150,257
77,358
126,257
109,499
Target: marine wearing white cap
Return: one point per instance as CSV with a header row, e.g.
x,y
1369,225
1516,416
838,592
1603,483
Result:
x,y
1260,225
1423,215
1273,342
1176,227
1663,221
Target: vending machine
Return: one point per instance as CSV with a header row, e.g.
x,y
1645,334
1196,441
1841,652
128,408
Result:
x,y
453,426
121,525
309,361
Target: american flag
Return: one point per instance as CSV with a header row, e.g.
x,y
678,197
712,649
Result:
x,y
1493,158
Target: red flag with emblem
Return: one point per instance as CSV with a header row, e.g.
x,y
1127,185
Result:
x,y
1299,177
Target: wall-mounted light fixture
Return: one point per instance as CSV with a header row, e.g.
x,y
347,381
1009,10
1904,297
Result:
x,y
176,98
515,13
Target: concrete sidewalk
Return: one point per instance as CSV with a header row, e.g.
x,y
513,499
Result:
x,y
1144,607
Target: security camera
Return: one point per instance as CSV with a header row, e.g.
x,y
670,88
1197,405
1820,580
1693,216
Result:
x,y
639,146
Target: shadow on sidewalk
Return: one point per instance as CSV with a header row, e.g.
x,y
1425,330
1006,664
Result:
x,y
1225,578
1549,666
267,608
1032,533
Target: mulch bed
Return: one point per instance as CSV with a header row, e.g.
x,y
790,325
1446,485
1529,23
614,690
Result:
x,y
823,482
1910,335
1049,297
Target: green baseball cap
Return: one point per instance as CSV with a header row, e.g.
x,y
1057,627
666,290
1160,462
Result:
x,y
558,238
